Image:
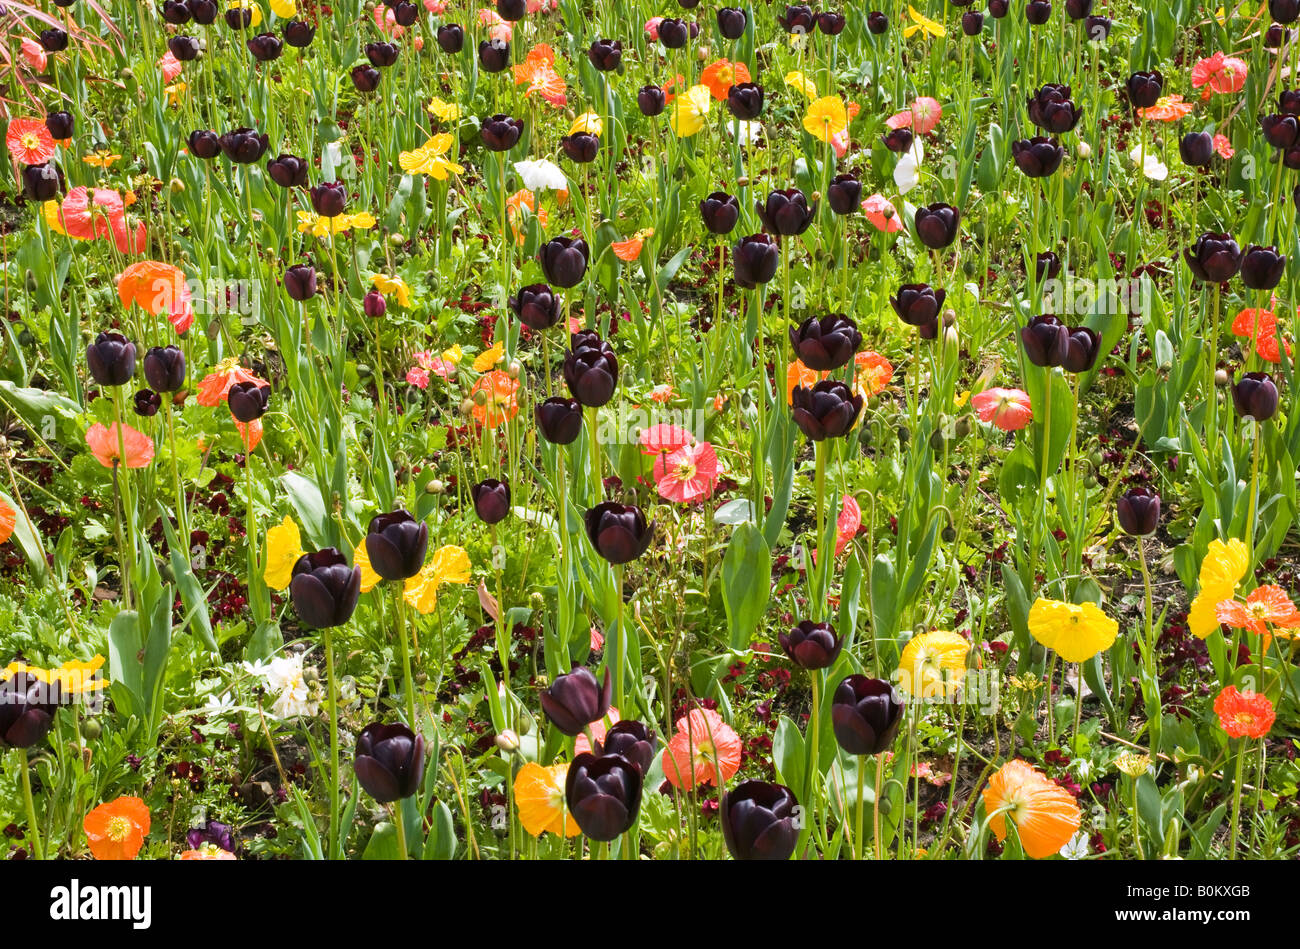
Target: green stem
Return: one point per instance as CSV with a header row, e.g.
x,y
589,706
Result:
x,y
1236,802
33,830
406,657
332,700
857,818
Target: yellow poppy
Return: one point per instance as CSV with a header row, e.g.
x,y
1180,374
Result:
x,y
1222,569
74,677
326,226
430,159
284,9
933,665
797,81
361,560
489,358
174,93
443,111
101,159
1076,631
689,111
922,24
453,355
448,564
826,118
588,122
539,795
393,285
283,548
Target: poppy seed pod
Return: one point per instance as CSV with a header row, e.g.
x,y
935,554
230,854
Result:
x,y
329,199
324,589
606,55
203,11
1097,28
389,761
1284,11
500,132
365,78
1078,9
673,33
300,282
1262,267
591,369
575,700
972,22
164,368
580,147
491,500
396,544
1037,157
827,410
1047,266
451,38
60,125
603,795
512,10
146,403
1196,149
288,171
811,645
651,100
405,13
754,260
175,12
265,47
42,182
745,100
185,48
731,22
1081,353
831,23
618,532
382,55
537,307
633,741
1214,258
1038,12
299,33
936,225
238,18
1144,88
786,212
1046,340
1255,396
248,400
758,821
844,194
53,40
1138,511
720,212
826,344
559,420
918,304
999,8
798,18
27,708
866,714
111,358
1052,109
243,145
1280,130
877,23
564,260
374,305
898,140
204,144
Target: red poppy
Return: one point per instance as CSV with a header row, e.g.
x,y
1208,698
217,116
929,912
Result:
x,y
108,448
1244,714
29,142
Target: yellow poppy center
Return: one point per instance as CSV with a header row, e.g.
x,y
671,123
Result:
x,y
1245,719
118,829
31,140
684,471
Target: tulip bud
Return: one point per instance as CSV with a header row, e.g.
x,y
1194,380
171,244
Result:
x,y
972,23
1082,350
758,821
1038,157
811,645
146,403
382,55
745,100
618,532
1144,88
374,305
60,125
580,147
606,55
631,740
243,146
673,33
1214,258
918,304
1284,11
42,182
1139,512
866,714
877,23
365,79
1038,12
1196,149
1097,28
844,194
829,409
786,212
265,47
396,544
1046,340
1262,267
936,225
389,762
329,199
175,12
53,40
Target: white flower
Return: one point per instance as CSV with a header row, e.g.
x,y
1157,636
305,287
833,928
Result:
x,y
1152,166
1076,848
745,133
907,173
541,175
284,676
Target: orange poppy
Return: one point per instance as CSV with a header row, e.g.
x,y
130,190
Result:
x,y
797,374
720,75
250,434
104,445
671,84
873,372
538,71
1266,606
1045,814
500,402
539,795
157,288
703,745
208,852
216,384
29,141
522,201
116,830
1167,109
1244,714
8,518
1262,326
630,249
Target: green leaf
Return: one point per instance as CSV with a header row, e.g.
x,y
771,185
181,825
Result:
x,y
746,582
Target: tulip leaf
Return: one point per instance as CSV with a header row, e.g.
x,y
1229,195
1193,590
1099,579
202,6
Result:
x,y
383,843
746,582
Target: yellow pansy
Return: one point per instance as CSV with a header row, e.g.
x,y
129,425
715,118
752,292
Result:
x,y
448,564
361,560
1077,631
284,9
283,548
923,24
932,665
247,5
796,80
689,111
393,285
443,111
489,358
588,122
826,118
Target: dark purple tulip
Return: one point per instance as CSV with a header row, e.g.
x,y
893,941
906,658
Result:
x,y
329,199
1097,28
1280,130
365,79
831,23
491,500
501,132
60,125
1214,258
1262,267
673,33
164,368
396,544
53,40
1139,511
591,369
42,182
811,645
731,22
633,741
146,403
1284,11
1047,266
512,10
575,700
300,282
1144,88
204,144
603,794
389,761
580,147
451,38
203,11
918,304
1288,101
1046,340
798,18
972,22
111,358
265,47
1037,157
1255,396
754,260
937,225
745,100
606,55
27,708
299,33
537,307
720,212
866,714
999,8
827,410
493,55
898,140
877,23
405,13
1078,9
288,171
374,305
786,212
1274,37
559,420
826,344
382,55
564,260
185,48
1038,12
618,532
248,400
1052,109
1196,149
758,821
243,145
1083,349
844,194
324,589
238,18
651,100
175,12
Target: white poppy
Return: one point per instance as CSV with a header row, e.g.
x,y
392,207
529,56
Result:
x,y
1152,167
907,173
541,175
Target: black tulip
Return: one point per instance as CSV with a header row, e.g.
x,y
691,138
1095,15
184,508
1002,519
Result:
x,y
1262,267
405,13
999,8
559,420
1139,511
720,212
1145,88
633,741
146,403
1078,9
185,48
618,532
827,410
1052,109
243,146
580,147
575,700
324,589
491,500
164,368
365,79
374,305
60,125
844,194
1047,266
877,23
512,10
831,23
1097,28
1046,340
382,55
651,100
27,708
564,260
1255,396
1196,149
745,100
673,33
238,18
591,369
288,171
329,199
1214,258
603,795
754,260
918,304
1038,12
111,358
811,645
500,132
798,18
1275,36
175,12
300,282
605,55
265,47
898,140
42,182
1288,101
1082,350
451,38
1284,11
731,22
203,11
537,307
826,344
248,400
866,714
396,544
1037,157
53,40
972,22
786,212
204,144
936,225
389,762
758,821
1280,129
299,33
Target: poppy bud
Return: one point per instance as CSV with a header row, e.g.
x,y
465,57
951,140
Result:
x,y
826,344
243,146
164,368
606,55
204,144
591,369
1262,267
673,33
1144,88
175,12
381,55
204,12
288,171
111,358
265,47
536,306
374,305
651,100
918,303
844,194
831,23
1038,12
564,260
1047,265
451,38
53,40
1139,512
1097,28
786,212
1078,9
27,707
324,589
329,199
827,410
745,100
405,13
877,23
1196,149
60,125
1280,130
936,225
300,282
898,140
512,10
575,700
811,645
365,78
146,403
1037,157
185,48
758,821
248,400
1081,353
731,22
491,500
299,33
1284,11
500,133
1214,258
999,8
866,714
972,23
559,420
603,795
41,182
754,260
581,147
618,532
1255,396
396,544
1052,109
633,741
1046,340
797,19
720,212
389,762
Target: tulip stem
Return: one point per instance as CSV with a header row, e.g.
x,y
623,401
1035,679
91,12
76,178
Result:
x,y
593,426
814,740
406,657
620,642
822,569
332,701
1253,502
875,807
122,478
857,819
1150,640
33,831
400,824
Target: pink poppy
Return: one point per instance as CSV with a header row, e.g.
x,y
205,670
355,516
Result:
x,y
542,6
35,55
599,728
652,27
923,116
103,443
418,377
703,746
688,474
436,7
597,640
1219,73
840,142
170,66
1224,147
85,212
1008,409
882,214
664,439
847,524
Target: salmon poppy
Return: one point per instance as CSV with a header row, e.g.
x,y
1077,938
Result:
x,y
721,74
1219,73
116,830
87,213
35,55
703,745
1223,147
1007,409
1167,109
1045,814
250,433
688,474
104,445
663,438
215,385
1244,714
29,142
169,66
872,373
630,249
600,727
847,523
1266,606
157,288
8,519
882,214
500,402
539,795
519,205
923,116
